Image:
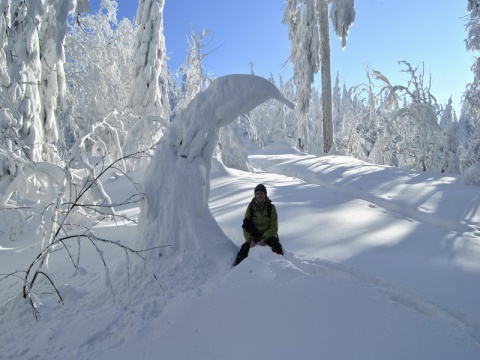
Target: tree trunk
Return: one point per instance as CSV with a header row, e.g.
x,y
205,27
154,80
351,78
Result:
x,y
326,76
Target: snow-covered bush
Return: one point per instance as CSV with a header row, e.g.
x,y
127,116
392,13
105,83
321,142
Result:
x,y
61,207
471,176
410,121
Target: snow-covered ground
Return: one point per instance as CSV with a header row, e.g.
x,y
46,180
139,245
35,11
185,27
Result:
x,y
381,263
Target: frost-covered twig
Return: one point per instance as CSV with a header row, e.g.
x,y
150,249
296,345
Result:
x,y
59,225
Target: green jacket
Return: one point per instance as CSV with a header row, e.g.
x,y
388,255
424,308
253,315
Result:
x,y
265,223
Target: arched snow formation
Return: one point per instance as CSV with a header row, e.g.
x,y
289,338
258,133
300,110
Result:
x,y
177,182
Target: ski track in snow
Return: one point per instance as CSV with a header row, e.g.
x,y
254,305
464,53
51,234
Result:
x,y
465,324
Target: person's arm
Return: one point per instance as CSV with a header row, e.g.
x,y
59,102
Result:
x,y
273,228
247,234
250,232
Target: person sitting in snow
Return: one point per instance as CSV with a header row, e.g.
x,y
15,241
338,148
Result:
x,y
260,225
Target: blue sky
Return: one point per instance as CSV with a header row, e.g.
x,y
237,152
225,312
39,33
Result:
x,y
421,32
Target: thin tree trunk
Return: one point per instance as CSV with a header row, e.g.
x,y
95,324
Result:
x,y
326,76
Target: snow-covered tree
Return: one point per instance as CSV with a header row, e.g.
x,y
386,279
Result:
x,y
357,116
469,122
231,150
149,94
32,82
337,106
99,70
290,119
305,55
315,130
99,51
449,161
346,119
309,34
193,78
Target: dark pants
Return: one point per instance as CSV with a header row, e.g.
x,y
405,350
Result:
x,y
273,242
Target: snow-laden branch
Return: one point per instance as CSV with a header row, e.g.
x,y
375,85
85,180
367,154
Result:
x,y
224,100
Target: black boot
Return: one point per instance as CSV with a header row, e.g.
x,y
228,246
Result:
x,y
278,251
242,254
274,243
237,261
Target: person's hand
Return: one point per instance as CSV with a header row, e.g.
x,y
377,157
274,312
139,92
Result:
x,y
252,243
261,242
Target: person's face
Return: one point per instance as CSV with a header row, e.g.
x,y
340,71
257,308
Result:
x,y
260,196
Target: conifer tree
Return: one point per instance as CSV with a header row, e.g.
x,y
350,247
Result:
x,y
150,90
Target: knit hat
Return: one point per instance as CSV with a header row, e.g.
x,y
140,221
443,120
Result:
x,y
262,188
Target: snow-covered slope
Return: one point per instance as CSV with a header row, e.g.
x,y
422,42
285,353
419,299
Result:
x,y
381,263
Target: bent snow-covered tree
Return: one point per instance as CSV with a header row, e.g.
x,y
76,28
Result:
x,y
176,188
310,37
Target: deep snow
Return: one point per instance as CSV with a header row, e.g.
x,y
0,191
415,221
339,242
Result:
x,y
381,263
